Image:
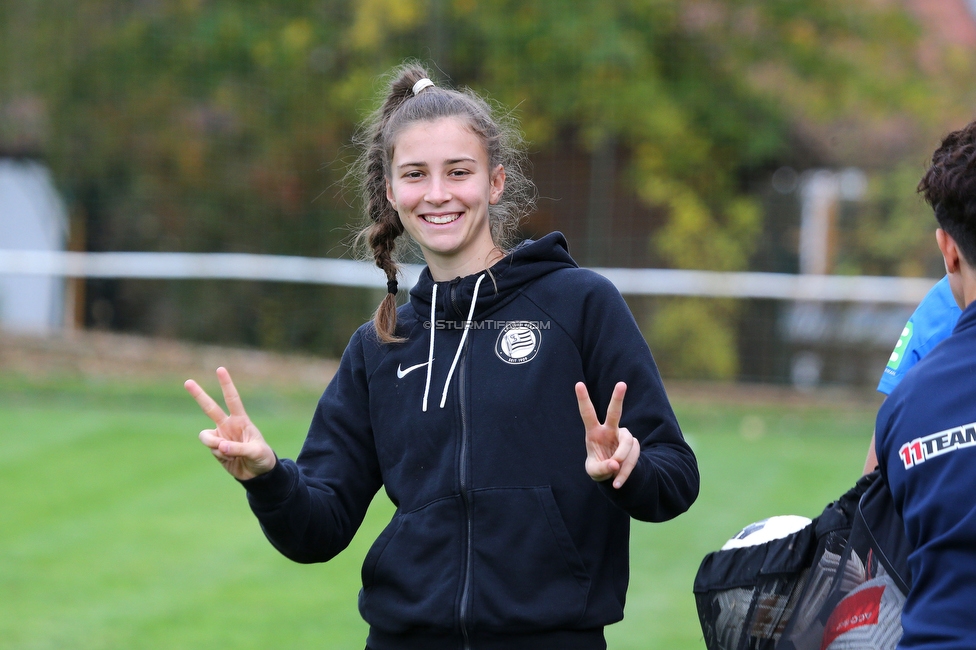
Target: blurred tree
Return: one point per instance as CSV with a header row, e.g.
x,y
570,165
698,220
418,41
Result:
x,y
892,230
701,99
222,126
201,127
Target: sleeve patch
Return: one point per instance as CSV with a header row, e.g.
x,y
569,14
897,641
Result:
x,y
901,348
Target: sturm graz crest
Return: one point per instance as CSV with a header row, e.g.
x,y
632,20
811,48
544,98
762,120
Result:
x,y
518,343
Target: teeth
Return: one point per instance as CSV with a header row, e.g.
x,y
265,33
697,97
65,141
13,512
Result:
x,y
446,218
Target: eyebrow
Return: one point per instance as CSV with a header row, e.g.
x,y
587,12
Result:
x,y
452,161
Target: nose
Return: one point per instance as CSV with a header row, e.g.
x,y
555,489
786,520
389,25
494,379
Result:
x,y
437,192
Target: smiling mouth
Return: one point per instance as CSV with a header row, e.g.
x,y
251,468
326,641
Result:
x,y
441,218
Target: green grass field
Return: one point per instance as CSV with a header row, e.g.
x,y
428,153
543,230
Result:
x,y
117,529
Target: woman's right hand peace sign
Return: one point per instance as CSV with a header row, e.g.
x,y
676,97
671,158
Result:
x,y
235,441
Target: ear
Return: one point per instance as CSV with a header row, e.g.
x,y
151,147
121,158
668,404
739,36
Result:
x,y
949,249
497,185
389,194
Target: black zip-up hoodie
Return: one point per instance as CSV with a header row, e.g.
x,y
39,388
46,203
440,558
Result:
x,y
500,538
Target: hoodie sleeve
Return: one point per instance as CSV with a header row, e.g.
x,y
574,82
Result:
x,y
310,509
665,481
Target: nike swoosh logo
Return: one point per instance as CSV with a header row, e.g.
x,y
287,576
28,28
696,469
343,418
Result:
x,y
401,373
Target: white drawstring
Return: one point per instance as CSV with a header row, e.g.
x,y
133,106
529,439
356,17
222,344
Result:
x,y
430,355
464,335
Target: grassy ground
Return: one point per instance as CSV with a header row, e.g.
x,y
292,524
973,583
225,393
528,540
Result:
x,y
117,530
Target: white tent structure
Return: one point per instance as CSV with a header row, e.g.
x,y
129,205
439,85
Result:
x,y
32,217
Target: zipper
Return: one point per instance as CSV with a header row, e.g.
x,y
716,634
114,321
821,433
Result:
x,y
463,481
458,311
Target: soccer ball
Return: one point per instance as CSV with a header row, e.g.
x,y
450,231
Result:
x,y
767,530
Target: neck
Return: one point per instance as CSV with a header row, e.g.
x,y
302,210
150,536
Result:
x,y
444,270
968,290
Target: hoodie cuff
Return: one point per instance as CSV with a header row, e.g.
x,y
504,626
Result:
x,y
271,488
632,496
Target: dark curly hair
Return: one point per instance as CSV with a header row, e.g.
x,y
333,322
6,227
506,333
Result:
x,y
949,186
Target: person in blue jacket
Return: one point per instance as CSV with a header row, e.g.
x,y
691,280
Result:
x,y
931,323
477,406
926,428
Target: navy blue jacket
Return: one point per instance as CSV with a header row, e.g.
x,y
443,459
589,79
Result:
x,y
926,446
500,538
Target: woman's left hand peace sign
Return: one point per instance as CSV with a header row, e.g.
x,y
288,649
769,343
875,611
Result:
x,y
611,450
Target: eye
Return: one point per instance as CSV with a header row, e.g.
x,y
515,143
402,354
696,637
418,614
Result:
x,y
459,173
415,174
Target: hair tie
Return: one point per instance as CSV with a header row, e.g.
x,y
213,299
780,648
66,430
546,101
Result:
x,y
391,286
420,85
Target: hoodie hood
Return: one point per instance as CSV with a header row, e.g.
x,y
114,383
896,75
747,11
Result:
x,y
528,261
476,296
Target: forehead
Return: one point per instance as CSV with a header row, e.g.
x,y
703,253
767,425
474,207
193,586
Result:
x,y
431,141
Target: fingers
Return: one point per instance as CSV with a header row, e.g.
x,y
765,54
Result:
x,y
627,455
223,448
232,449
601,470
609,435
620,465
614,410
210,438
616,407
231,397
210,407
587,412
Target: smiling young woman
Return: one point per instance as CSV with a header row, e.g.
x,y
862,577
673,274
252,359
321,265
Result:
x,y
441,187
412,111
472,405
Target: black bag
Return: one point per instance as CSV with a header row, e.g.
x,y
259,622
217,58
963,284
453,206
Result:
x,y
750,598
853,600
